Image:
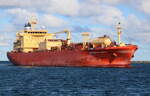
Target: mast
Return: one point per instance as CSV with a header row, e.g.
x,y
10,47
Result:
x,y
85,38
119,31
33,22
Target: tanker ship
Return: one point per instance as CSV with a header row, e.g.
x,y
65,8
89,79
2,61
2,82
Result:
x,y
34,47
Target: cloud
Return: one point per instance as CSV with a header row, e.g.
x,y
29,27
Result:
x,y
21,16
108,16
103,12
108,2
65,7
16,4
5,39
72,7
145,6
97,32
79,29
52,21
4,43
112,2
136,29
139,5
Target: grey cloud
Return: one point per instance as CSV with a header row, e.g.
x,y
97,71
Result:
x,y
65,7
80,29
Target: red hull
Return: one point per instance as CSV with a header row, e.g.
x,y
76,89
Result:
x,y
103,57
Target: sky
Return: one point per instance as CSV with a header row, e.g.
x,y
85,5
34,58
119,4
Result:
x,y
99,17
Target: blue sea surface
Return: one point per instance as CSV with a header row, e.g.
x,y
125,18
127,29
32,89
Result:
x,y
74,81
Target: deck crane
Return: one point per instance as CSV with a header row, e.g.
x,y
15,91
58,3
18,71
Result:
x,y
68,35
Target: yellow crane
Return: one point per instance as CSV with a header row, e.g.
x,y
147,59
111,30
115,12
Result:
x,y
68,35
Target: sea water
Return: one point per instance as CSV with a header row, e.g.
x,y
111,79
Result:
x,y
74,81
